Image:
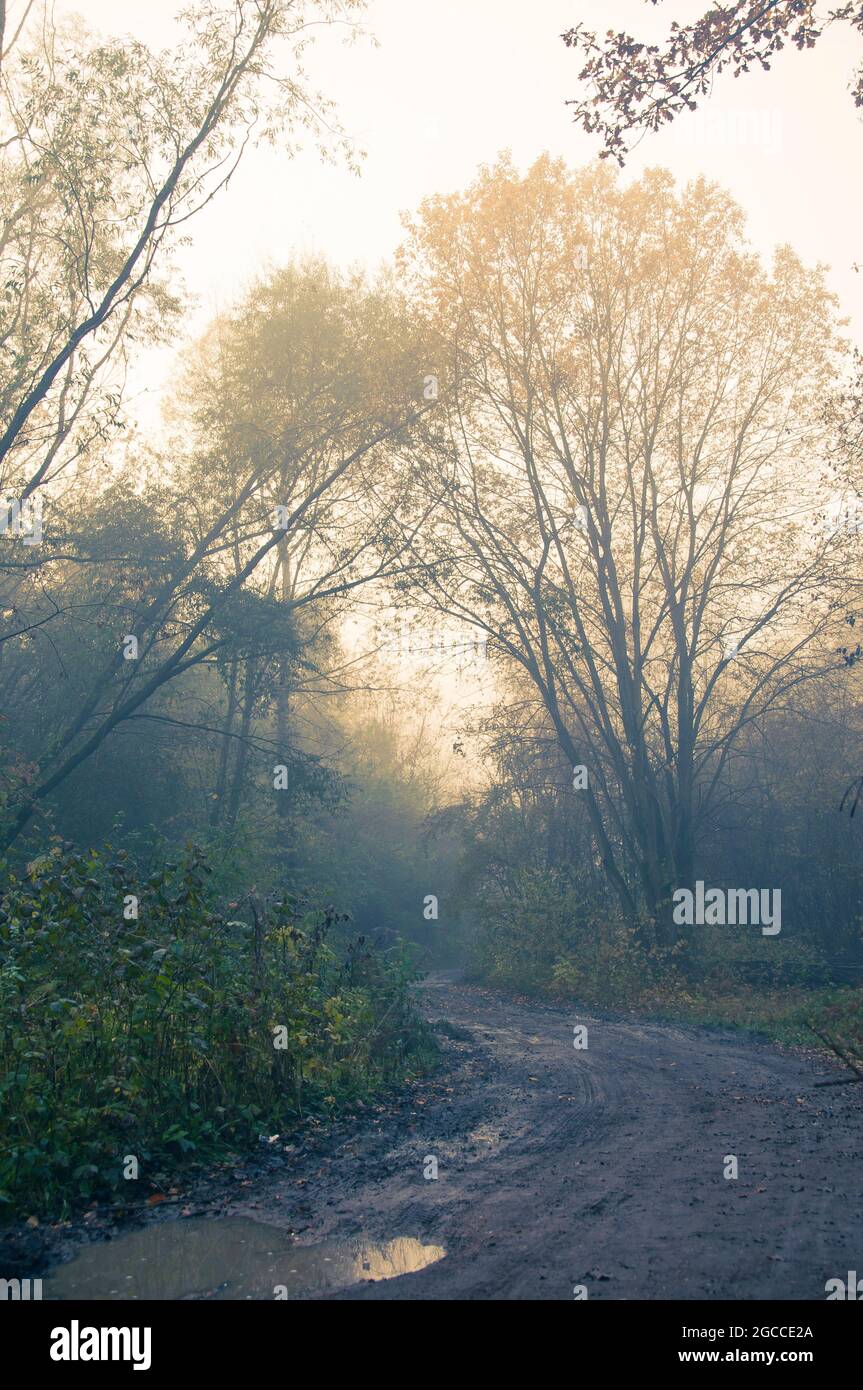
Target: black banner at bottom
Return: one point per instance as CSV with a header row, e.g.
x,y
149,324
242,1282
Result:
x,y
64,1338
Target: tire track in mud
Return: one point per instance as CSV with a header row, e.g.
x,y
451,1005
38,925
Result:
x,y
608,1165
558,1167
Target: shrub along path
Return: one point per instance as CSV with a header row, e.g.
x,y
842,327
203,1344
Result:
x,y
601,1167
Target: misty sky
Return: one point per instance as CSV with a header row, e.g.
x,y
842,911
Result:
x,y
453,82
449,85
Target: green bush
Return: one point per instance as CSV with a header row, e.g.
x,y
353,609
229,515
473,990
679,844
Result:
x,y
543,937
157,1037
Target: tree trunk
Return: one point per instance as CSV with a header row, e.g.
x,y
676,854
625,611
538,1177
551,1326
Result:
x,y
225,751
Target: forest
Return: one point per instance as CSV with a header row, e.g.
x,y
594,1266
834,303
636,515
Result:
x,y
490,612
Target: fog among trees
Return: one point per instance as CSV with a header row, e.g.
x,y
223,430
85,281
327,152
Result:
x,y
469,614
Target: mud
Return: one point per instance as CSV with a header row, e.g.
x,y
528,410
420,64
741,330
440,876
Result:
x,y
224,1258
558,1167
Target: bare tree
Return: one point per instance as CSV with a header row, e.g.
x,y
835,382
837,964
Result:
x,y
633,486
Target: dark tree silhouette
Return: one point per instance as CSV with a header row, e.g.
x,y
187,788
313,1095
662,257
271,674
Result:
x,y
636,86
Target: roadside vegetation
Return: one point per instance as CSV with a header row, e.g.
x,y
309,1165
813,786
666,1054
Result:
x,y
132,1048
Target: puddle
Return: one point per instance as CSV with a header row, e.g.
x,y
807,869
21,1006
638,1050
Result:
x,y
228,1259
485,1134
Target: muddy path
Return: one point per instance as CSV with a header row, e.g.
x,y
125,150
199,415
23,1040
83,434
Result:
x,y
604,1167
560,1167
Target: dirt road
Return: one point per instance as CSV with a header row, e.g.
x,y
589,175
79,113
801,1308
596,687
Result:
x,y
604,1166
601,1167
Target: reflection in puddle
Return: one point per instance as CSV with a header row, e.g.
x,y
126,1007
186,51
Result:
x,y
229,1258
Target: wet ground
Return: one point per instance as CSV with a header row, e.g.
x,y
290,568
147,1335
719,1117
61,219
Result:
x,y
556,1167
228,1258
